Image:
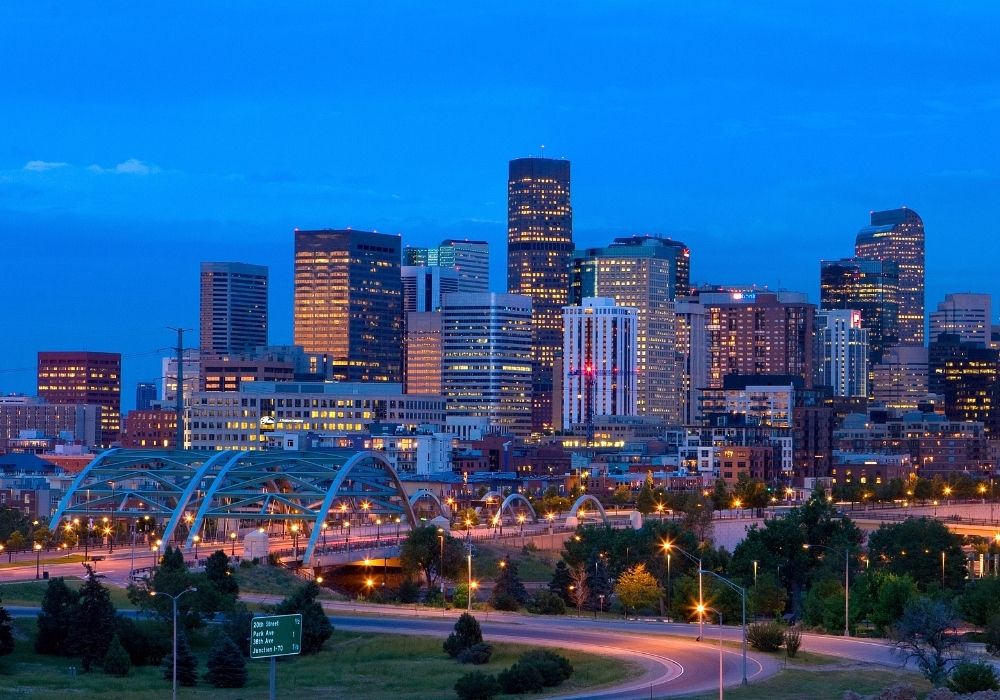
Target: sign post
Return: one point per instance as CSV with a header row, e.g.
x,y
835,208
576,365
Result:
x,y
272,636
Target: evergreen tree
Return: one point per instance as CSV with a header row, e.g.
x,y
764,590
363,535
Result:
x,y
6,632
93,625
226,666
117,661
645,502
173,576
56,618
316,628
561,581
236,626
599,583
220,574
187,664
508,591
467,633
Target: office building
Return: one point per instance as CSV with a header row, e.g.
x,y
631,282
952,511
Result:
x,y
79,423
966,315
966,374
422,364
900,380
191,376
842,352
897,235
599,361
539,246
870,287
348,302
642,272
469,259
486,359
145,395
233,307
150,429
88,378
423,286
693,355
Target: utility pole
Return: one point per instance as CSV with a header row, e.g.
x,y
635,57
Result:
x,y
180,386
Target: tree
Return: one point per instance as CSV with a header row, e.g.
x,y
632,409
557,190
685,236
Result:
x,y
16,541
6,632
421,552
226,666
636,588
508,591
236,626
579,590
316,628
891,596
981,600
926,632
766,597
645,501
11,521
477,686
467,633
93,624
466,518
173,576
621,496
187,664
599,582
752,493
972,677
55,621
116,660
561,581
914,547
219,573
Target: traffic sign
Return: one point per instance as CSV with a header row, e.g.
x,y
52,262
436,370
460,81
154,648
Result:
x,y
275,635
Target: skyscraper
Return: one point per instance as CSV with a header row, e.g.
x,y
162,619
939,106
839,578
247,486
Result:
x,y
968,376
870,287
423,286
642,272
539,245
966,315
348,302
145,395
233,307
91,378
599,361
486,366
842,352
897,235
900,381
422,361
469,259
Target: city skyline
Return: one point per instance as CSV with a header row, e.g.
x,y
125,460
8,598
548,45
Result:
x,y
776,151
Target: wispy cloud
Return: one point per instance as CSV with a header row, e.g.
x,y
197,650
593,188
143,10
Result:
x,y
132,166
40,166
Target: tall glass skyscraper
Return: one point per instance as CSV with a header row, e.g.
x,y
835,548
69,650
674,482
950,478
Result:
x,y
469,259
897,235
870,287
233,308
349,303
539,245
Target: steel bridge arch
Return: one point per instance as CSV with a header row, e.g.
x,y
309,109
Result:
x,y
517,497
443,509
584,499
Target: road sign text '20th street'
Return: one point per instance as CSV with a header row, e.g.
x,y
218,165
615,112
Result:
x,y
275,635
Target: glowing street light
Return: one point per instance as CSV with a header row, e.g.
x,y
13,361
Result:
x,y
702,609
173,599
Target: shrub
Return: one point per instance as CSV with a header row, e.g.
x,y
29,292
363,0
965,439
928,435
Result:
x,y
409,591
477,686
535,670
476,654
793,640
765,636
226,665
146,642
547,603
521,679
972,677
467,632
993,635
116,661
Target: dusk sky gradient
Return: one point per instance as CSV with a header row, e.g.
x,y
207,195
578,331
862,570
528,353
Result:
x,y
139,140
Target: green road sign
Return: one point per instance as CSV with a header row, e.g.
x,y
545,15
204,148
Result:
x,y
275,635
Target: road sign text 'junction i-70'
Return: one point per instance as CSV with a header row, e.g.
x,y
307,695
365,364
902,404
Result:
x,y
275,635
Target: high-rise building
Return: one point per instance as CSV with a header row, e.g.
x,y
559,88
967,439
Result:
x,y
539,245
966,374
145,395
966,315
469,259
424,285
897,235
73,422
233,307
642,272
486,365
348,302
91,378
693,355
422,365
842,352
900,380
870,287
599,361
752,332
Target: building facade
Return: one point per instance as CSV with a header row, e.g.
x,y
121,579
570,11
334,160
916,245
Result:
x,y
469,259
72,422
966,315
539,246
424,286
842,352
145,395
599,361
233,307
870,287
348,302
966,375
900,380
90,378
897,235
424,353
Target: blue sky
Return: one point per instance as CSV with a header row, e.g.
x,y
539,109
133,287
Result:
x,y
136,141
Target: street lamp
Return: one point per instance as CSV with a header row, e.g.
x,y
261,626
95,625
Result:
x,y
469,591
847,583
378,530
755,563
668,546
196,540
323,527
232,544
295,540
173,600
551,518
347,535
520,522
441,558
38,561
743,596
702,609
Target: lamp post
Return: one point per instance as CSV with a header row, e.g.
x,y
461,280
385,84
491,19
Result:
x,y
441,558
701,613
378,530
38,561
551,518
295,541
196,539
173,599
847,583
323,527
743,598
347,535
942,569
232,544
469,591
755,562
520,522
668,583
668,547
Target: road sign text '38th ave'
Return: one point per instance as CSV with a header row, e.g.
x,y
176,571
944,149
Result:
x,y
275,635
